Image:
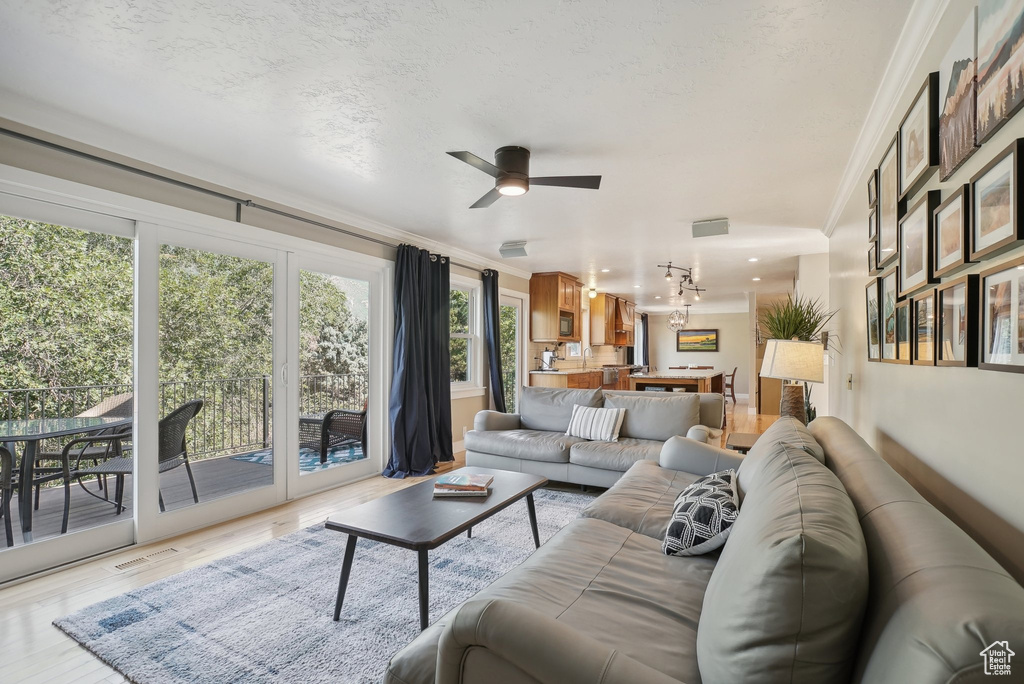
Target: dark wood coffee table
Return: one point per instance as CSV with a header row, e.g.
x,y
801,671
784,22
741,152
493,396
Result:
x,y
413,519
741,441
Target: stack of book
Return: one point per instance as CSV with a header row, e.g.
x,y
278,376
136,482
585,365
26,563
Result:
x,y
462,485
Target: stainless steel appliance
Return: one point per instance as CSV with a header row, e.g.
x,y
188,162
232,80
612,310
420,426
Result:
x,y
547,359
565,325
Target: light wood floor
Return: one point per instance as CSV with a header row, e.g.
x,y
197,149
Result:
x,y
33,651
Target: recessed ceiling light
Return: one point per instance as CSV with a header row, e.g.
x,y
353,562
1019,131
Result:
x,y
657,296
752,259
756,279
636,286
606,270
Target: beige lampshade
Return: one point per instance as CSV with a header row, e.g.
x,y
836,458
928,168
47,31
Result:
x,y
793,360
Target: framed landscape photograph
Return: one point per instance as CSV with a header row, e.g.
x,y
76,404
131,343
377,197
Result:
x,y
871,294
889,296
1000,64
903,339
996,224
1002,322
916,244
919,138
956,329
951,232
923,333
958,115
873,189
697,340
888,205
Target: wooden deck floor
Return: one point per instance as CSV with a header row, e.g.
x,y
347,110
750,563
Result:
x,y
215,477
36,652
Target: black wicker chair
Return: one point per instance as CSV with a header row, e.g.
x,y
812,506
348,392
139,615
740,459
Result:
x,y
337,428
171,454
7,484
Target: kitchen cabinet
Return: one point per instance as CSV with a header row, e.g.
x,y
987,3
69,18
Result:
x,y
602,319
623,383
555,306
574,380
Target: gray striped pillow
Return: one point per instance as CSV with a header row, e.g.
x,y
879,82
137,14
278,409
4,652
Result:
x,y
596,424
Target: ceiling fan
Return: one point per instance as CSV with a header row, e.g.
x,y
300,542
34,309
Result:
x,y
511,171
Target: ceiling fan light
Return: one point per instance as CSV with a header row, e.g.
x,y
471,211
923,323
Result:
x,y
512,187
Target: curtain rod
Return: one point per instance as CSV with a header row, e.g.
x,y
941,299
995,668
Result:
x,y
238,201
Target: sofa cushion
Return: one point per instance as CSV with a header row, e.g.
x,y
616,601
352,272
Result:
x,y
531,445
702,516
611,584
785,431
656,417
786,599
598,424
642,499
550,408
618,455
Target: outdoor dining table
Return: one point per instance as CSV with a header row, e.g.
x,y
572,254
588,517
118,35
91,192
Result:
x,y
31,433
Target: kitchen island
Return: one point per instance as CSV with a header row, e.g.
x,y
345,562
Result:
x,y
690,380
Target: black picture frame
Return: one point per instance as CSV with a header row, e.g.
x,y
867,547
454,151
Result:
x,y
981,246
924,210
968,322
960,199
903,332
873,224
891,275
873,259
927,97
1015,270
922,323
873,189
872,292
708,333
890,206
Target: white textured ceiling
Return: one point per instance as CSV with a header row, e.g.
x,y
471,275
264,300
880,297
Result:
x,y
690,110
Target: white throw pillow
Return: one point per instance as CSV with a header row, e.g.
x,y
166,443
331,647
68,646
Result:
x,y
595,424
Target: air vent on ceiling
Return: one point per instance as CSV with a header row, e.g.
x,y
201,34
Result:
x,y
711,227
512,249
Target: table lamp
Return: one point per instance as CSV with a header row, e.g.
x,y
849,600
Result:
x,y
796,362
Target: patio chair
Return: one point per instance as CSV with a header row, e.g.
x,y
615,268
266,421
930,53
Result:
x,y
338,427
171,453
7,485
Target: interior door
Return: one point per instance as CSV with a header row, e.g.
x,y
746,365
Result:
x,y
339,346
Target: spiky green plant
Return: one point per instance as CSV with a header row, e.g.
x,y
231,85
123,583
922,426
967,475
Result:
x,y
802,318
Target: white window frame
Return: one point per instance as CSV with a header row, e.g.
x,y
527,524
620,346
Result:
x,y
523,341
473,386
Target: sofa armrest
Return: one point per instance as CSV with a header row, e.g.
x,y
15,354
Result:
x,y
699,433
698,458
496,420
544,649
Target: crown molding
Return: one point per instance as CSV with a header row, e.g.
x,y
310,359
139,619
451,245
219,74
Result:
x,y
918,30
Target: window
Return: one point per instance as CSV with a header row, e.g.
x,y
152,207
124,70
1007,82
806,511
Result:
x,y
463,338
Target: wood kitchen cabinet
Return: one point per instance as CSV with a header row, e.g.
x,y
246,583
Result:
x,y
588,380
623,383
555,306
625,312
602,319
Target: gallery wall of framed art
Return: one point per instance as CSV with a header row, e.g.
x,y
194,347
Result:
x,y
921,307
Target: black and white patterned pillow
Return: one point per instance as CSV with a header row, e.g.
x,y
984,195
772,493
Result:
x,y
702,516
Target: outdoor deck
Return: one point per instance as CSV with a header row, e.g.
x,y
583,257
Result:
x,y
215,477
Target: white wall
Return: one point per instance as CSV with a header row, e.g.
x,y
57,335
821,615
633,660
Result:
x,y
733,340
812,282
955,433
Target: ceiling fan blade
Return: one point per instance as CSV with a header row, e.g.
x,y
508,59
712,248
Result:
x,y
475,161
587,182
487,200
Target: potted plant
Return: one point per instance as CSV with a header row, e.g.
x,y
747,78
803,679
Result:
x,y
803,319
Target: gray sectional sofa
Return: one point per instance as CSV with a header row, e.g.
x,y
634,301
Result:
x,y
835,570
534,440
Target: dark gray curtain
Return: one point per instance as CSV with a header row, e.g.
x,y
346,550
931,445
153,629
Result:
x,y
420,409
492,337
645,349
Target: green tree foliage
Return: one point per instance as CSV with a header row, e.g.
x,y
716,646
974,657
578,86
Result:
x,y
508,326
459,323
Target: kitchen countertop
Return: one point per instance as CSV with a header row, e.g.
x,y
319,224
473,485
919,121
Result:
x,y
678,374
573,371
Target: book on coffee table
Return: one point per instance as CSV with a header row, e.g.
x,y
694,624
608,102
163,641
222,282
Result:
x,y
471,483
444,492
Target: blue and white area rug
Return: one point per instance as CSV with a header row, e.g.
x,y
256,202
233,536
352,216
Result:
x,y
309,459
265,615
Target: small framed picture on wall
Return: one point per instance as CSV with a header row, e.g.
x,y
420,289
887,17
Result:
x,y
903,337
873,188
697,340
889,297
888,205
996,224
923,329
916,245
1002,322
956,314
873,319
951,232
919,138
